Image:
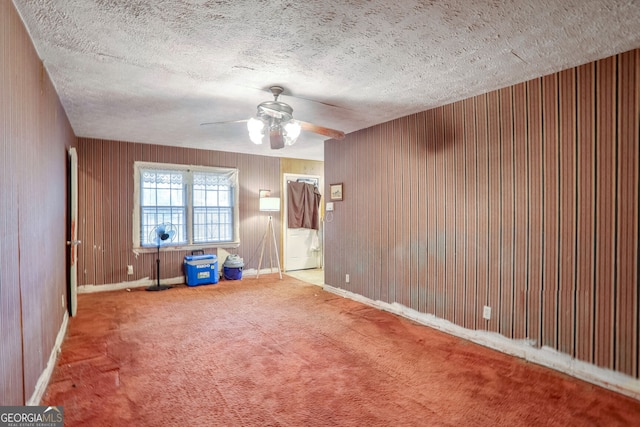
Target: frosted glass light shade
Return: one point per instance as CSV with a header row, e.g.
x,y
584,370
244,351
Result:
x,y
292,129
256,130
269,204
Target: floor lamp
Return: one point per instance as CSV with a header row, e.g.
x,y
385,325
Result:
x,y
269,204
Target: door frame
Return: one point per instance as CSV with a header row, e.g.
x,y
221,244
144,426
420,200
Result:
x,y
285,228
73,242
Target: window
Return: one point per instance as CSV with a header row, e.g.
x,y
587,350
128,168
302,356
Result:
x,y
201,202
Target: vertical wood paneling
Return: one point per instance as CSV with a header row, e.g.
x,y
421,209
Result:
x,y
395,176
357,284
375,148
369,248
567,249
527,201
86,257
460,294
422,211
432,213
388,278
34,137
450,208
414,189
495,214
98,220
530,206
404,242
551,218
505,309
110,204
483,258
441,213
377,213
82,224
471,215
343,221
11,363
120,236
626,304
584,320
605,210
521,211
535,229
127,182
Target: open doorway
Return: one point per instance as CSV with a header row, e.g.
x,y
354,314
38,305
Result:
x,y
72,234
303,247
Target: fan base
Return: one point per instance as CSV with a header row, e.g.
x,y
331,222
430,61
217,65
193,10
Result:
x,y
159,287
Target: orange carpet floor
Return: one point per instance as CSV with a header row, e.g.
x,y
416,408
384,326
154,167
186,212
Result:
x,y
272,352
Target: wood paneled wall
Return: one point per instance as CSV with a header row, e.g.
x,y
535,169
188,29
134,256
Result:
x,y
34,137
105,207
524,199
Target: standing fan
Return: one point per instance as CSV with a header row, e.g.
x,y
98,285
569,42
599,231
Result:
x,y
161,234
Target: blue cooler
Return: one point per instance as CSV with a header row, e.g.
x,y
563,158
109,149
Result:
x,y
201,269
232,267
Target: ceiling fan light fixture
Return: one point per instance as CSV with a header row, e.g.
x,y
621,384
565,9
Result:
x,y
274,122
256,130
276,137
255,125
292,132
256,138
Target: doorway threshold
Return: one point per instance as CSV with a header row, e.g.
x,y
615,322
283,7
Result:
x,y
315,276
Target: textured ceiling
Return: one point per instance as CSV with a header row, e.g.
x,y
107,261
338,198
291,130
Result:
x,y
152,71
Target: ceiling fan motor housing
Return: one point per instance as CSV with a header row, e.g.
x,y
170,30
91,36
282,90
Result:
x,y
275,116
275,109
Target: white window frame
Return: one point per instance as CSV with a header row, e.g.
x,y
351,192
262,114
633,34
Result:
x,y
232,173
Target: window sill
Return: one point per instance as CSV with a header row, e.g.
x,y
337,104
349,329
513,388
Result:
x,y
172,248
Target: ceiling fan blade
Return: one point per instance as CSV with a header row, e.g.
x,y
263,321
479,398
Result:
x,y
335,134
225,122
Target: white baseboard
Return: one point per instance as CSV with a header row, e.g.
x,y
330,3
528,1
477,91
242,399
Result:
x,y
144,282
524,349
45,376
87,289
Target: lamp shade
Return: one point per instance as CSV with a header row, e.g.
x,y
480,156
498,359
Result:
x,y
270,204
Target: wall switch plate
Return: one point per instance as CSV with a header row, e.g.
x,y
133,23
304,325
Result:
x,y
62,298
129,270
346,278
486,313
329,206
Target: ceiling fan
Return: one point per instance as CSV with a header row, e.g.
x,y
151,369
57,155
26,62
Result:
x,y
274,119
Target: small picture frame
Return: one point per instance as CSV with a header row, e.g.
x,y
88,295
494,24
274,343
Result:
x,y
265,193
335,191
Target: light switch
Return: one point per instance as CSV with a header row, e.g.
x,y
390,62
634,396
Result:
x,y
329,206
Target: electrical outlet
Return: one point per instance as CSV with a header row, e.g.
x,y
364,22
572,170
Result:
x,y
486,313
346,278
130,270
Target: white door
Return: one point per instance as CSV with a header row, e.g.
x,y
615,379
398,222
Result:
x,y
73,241
302,246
